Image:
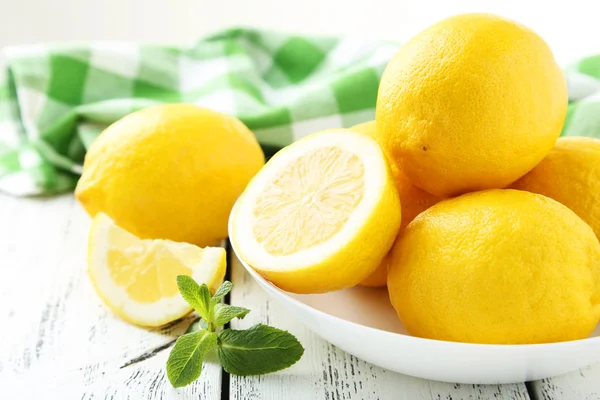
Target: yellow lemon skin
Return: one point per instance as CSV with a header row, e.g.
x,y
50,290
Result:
x,y
412,199
379,277
497,267
170,172
473,102
570,174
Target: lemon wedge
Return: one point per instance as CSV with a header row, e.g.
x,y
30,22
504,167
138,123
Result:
x,y
136,278
321,215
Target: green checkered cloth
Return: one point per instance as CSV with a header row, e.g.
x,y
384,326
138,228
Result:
x,y
55,100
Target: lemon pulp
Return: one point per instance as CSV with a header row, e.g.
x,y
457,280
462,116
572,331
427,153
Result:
x,y
137,265
309,201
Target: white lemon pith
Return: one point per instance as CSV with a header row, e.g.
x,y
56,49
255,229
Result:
x,y
136,277
320,215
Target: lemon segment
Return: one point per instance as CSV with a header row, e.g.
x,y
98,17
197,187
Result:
x,y
136,278
321,215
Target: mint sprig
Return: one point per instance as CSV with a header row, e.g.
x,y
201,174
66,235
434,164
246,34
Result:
x,y
258,350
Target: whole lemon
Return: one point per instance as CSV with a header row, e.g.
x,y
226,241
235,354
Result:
x,y
497,267
170,172
413,201
473,102
570,174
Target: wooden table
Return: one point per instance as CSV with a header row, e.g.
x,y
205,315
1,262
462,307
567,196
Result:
x,y
58,340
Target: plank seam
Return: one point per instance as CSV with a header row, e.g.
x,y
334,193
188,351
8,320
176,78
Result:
x,y
529,386
225,377
148,354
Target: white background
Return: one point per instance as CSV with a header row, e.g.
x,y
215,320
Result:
x,y
572,28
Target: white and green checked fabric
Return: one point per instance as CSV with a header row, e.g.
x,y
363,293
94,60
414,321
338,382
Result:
x,y
55,100
58,99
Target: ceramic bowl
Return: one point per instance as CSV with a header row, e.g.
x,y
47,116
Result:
x,y
362,322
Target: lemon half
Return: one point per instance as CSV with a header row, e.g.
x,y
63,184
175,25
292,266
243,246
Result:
x,y
136,278
321,215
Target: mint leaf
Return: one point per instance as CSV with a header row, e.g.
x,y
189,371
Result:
x,y
222,291
185,361
197,325
198,296
258,350
224,313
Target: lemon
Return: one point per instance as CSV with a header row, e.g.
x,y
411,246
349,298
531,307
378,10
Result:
x,y
136,278
170,172
321,215
500,267
570,174
379,277
473,102
412,199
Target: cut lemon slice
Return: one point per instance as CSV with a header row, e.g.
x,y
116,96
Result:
x,y
136,278
321,215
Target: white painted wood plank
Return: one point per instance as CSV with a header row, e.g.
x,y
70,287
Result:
x,y
326,372
57,336
580,385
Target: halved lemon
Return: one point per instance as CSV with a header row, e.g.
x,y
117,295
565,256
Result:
x,y
136,278
320,215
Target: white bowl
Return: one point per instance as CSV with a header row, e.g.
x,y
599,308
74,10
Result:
x,y
362,322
